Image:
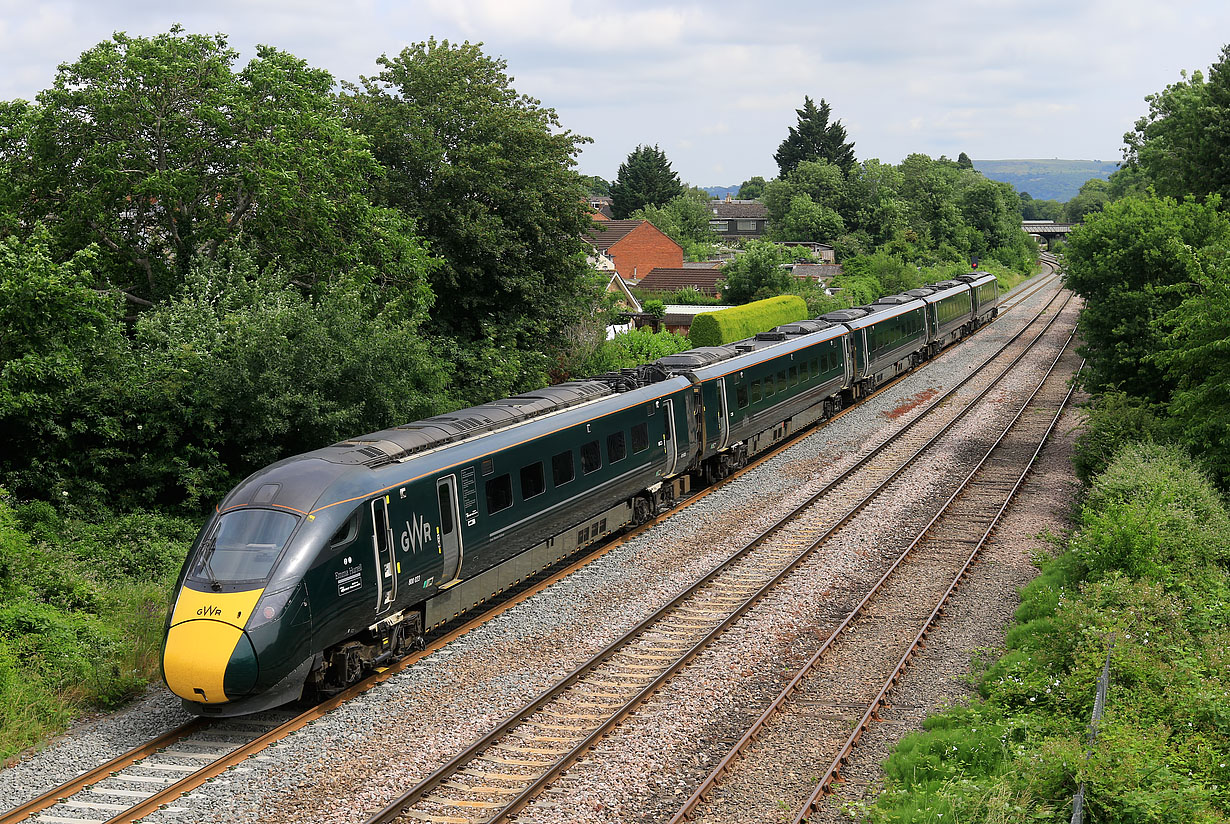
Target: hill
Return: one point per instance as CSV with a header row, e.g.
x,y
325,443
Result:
x,y
1046,179
720,192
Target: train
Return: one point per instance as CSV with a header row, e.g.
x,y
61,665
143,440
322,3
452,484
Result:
x,y
323,566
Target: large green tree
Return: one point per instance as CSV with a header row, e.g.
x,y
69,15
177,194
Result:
x,y
1133,263
158,151
815,138
487,176
1182,145
644,179
685,220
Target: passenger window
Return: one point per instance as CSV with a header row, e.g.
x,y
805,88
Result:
x,y
781,381
755,391
815,365
562,469
740,396
640,437
803,371
794,376
532,482
616,447
591,458
499,494
768,386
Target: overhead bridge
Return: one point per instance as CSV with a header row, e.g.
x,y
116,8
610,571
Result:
x,y
1046,231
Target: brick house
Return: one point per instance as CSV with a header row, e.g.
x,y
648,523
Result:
x,y
635,247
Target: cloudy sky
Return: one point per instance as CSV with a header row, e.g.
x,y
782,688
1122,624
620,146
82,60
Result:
x,y
715,84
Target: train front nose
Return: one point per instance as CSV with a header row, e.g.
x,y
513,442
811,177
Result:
x,y
208,658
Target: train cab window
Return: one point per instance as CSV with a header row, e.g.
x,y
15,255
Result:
x,y
499,493
640,438
562,468
794,376
346,533
591,458
741,395
244,546
616,447
768,386
755,391
532,482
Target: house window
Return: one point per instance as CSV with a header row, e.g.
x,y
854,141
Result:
x,y
719,225
746,225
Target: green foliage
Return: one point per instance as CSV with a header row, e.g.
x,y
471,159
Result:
x,y
241,369
634,348
644,179
595,185
739,322
158,151
656,309
1182,146
1133,263
815,138
751,189
1092,197
486,176
1155,536
1114,420
687,296
757,273
685,220
82,604
1041,209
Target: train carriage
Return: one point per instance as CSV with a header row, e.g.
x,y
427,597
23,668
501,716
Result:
x,y
986,296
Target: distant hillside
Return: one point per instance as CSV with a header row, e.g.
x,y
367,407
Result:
x,y
1046,179
720,192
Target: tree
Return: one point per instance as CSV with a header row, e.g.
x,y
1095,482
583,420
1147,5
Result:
x,y
1093,196
752,188
815,138
807,220
595,185
486,174
757,273
685,220
644,179
1133,263
963,161
1183,144
158,151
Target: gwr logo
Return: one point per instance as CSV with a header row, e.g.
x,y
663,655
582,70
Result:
x,y
209,612
416,534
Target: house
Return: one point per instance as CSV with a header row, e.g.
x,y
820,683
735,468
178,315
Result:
x,y
624,299
672,279
738,219
601,206
634,247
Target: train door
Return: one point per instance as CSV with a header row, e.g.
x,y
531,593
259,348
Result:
x,y
386,561
450,527
672,448
723,414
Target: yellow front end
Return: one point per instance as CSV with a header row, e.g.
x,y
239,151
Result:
x,y
206,638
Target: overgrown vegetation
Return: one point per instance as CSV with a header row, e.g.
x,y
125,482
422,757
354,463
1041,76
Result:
x,y
1146,573
739,322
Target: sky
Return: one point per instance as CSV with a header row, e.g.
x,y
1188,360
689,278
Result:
x,y
715,84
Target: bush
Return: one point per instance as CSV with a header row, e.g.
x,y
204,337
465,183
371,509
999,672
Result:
x,y
739,322
633,348
1114,420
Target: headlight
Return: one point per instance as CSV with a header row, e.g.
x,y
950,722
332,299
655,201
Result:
x,y
270,607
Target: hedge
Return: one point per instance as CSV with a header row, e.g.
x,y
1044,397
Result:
x,y
739,322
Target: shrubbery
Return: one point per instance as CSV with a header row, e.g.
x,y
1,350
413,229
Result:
x,y
1146,576
739,322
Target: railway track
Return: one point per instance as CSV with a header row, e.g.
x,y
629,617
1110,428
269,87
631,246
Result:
x,y
503,771
865,655
158,772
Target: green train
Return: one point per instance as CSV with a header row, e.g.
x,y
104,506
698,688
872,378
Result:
x,y
318,568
